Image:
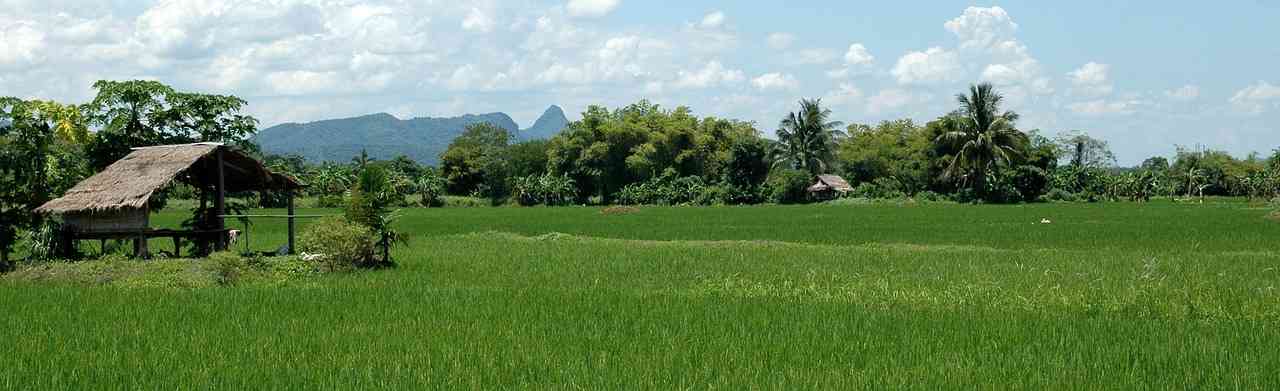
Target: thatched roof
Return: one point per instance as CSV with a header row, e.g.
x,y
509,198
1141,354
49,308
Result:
x,y
830,182
130,182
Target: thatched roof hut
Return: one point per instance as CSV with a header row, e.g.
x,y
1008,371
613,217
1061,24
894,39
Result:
x,y
830,183
114,203
130,182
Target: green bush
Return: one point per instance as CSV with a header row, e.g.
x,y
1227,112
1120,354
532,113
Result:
x,y
880,188
432,188
330,201
663,190
545,189
338,244
44,243
465,202
226,267
788,186
1060,195
1030,181
714,195
929,196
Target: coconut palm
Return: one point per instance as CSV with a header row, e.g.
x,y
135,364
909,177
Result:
x,y
980,137
807,137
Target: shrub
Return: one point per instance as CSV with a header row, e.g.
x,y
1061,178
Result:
x,y
713,195
1061,196
44,242
880,188
788,186
465,202
339,244
547,189
663,190
226,267
432,188
330,201
1030,181
929,196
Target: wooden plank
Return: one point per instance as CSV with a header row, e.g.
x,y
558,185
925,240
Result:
x,y
220,201
292,219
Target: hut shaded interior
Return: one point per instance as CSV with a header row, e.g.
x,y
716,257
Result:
x,y
113,204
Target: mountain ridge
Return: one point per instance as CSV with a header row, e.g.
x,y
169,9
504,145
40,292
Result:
x,y
385,136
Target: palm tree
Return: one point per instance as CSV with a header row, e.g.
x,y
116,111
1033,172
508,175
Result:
x,y
980,137
806,138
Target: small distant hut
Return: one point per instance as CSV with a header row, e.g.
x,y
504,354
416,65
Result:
x,y
829,187
114,204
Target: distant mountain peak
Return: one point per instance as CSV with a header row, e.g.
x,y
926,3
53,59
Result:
x,y
551,122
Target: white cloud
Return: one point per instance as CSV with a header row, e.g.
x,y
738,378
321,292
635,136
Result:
x,y
23,44
857,59
780,41
713,20
933,65
890,99
1184,93
712,74
1091,79
302,82
591,8
775,81
858,55
847,94
478,21
982,27
1102,107
1256,98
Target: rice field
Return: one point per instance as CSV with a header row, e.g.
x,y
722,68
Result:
x,y
917,296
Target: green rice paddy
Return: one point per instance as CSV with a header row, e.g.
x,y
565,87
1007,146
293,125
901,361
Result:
x,y
927,296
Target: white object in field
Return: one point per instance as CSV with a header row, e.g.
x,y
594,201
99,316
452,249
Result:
x,y
232,236
312,257
1045,221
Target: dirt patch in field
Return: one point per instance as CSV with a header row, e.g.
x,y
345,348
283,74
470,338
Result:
x,y
1274,216
619,210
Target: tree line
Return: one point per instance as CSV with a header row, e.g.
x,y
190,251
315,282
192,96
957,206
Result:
x,y
644,154
640,153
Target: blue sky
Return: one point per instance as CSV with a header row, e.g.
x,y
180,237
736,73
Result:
x,y
1145,76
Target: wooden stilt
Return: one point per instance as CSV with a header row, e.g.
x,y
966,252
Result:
x,y
291,222
220,201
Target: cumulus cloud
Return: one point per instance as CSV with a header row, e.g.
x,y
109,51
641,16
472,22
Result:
x,y
591,8
712,74
23,44
478,21
780,41
890,99
713,20
845,95
1091,79
856,59
775,81
933,65
858,55
981,27
1257,98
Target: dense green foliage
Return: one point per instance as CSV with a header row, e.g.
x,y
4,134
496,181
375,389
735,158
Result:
x,y
1107,296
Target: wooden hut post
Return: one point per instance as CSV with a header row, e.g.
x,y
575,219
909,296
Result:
x,y
220,202
289,191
